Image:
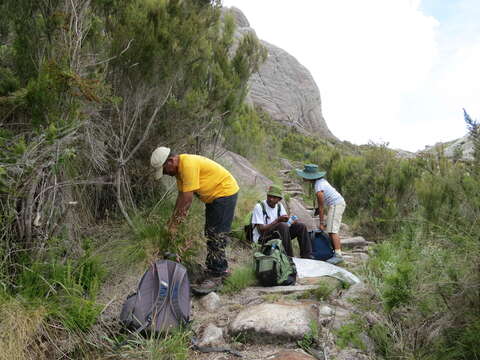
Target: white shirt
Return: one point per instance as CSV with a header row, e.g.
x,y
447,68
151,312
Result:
x,y
330,195
259,218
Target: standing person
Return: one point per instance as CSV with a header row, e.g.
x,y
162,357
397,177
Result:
x,y
217,188
326,196
270,216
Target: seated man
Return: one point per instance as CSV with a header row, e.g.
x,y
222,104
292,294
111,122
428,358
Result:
x,y
273,218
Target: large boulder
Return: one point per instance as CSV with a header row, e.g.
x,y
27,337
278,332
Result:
x,y
243,171
284,88
274,323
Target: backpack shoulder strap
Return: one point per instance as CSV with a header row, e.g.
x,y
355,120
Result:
x,y
264,211
279,208
159,296
179,274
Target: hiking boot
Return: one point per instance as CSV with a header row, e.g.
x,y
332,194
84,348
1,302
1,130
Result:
x,y
335,259
207,286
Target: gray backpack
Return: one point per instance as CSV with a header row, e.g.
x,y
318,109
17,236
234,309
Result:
x,y
162,300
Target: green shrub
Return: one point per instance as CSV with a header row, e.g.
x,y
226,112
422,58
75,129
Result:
x,y
384,344
462,342
76,313
44,280
67,290
310,339
349,335
321,293
241,278
398,286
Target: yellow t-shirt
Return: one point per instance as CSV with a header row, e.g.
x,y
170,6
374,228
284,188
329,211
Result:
x,y
205,177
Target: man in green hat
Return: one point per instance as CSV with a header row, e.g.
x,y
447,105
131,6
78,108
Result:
x,y
269,216
326,196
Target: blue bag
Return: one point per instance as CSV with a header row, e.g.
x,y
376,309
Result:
x,y
321,245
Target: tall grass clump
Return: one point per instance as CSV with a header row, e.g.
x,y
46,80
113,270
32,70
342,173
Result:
x,y
241,278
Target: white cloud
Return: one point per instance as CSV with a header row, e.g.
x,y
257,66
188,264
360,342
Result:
x,y
384,71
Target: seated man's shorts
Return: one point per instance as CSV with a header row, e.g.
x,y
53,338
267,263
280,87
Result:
x,y
334,217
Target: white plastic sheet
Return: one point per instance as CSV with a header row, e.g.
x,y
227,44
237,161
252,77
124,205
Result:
x,y
315,268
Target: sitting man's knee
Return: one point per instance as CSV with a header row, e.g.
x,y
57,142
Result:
x,y
282,226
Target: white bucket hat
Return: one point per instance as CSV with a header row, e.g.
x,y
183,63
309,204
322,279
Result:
x,y
159,156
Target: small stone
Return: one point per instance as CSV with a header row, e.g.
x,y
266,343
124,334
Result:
x,y
210,302
353,242
354,292
326,310
372,318
211,336
291,355
351,354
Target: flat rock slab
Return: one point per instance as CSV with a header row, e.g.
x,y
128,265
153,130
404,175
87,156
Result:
x,y
274,323
243,171
353,242
290,355
284,289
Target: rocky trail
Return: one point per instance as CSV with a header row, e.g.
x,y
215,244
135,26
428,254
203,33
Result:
x,y
271,322
276,322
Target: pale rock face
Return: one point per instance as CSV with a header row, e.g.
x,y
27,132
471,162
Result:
x,y
462,146
243,171
284,88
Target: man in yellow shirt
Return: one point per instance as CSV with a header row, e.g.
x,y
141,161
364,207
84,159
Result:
x,y
215,186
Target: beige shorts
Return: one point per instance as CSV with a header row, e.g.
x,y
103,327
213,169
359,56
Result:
x,y
334,218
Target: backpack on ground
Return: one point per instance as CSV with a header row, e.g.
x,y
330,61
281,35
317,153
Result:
x,y
273,267
321,245
248,228
162,300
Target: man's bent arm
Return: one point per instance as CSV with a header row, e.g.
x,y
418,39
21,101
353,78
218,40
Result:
x,y
266,227
182,205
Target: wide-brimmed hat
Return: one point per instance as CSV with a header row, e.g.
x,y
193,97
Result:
x,y
310,172
275,190
158,158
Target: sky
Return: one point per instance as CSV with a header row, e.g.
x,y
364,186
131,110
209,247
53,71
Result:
x,y
388,71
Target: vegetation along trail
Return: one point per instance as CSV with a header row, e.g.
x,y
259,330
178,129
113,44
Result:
x,y
89,88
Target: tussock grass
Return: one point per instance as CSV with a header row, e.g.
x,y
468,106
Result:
x,y
172,346
19,327
151,241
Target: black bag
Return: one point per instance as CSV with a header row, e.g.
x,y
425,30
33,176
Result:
x,y
321,245
162,300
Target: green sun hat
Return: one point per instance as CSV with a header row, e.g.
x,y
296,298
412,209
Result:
x,y
275,190
310,172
